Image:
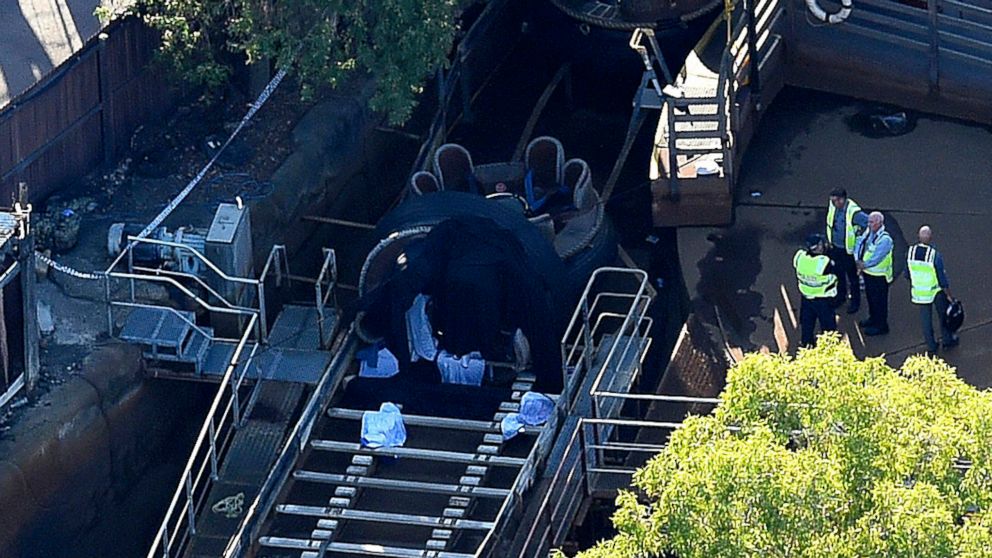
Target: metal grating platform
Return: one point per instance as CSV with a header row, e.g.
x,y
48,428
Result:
x,y
245,466
297,327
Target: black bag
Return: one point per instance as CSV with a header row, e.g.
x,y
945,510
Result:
x,y
955,315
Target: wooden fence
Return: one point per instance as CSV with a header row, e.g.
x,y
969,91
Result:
x,y
82,115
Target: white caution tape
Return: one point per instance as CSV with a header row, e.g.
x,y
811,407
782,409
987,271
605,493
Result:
x,y
66,269
264,96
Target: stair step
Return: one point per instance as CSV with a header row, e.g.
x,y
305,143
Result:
x,y
157,328
196,348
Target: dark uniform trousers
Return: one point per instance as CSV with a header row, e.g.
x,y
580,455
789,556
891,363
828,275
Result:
x,y
847,274
877,293
811,310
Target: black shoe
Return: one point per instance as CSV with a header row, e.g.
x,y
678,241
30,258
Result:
x,y
952,342
865,322
872,331
853,308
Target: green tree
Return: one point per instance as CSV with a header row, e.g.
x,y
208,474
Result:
x,y
821,455
400,42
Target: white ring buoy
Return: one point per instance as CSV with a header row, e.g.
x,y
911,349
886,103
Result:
x,y
822,15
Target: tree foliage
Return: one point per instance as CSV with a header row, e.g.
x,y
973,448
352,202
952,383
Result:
x,y
820,455
400,42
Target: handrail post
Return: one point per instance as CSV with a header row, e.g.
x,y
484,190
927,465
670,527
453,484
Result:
x,y
263,321
189,504
213,450
130,270
752,49
110,306
673,157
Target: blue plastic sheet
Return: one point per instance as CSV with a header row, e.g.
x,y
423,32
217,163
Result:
x,y
383,428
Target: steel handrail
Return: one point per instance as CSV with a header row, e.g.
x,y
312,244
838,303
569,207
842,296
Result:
x,y
199,256
295,443
208,435
160,271
280,264
330,266
183,289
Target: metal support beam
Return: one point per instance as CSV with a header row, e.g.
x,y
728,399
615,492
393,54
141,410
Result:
x,y
25,257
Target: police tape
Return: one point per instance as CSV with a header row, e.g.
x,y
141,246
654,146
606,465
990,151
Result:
x,y
262,98
68,270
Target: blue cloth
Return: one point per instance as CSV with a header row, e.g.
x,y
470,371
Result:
x,y
938,264
535,204
419,331
840,224
535,410
467,370
383,428
883,248
385,365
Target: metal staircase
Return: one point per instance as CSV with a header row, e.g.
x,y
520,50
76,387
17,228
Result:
x,y
165,334
264,375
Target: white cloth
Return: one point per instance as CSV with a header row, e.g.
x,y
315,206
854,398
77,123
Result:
x,y
383,428
419,332
387,366
467,370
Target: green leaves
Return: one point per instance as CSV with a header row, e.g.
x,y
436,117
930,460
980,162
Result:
x,y
399,42
820,455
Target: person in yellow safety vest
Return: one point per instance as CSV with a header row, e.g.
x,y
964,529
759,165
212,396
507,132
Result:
x,y
930,288
818,285
873,256
845,221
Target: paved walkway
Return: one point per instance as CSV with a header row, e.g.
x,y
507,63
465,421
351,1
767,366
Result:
x,y
741,277
38,35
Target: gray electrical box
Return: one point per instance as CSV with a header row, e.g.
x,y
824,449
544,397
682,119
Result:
x,y
229,247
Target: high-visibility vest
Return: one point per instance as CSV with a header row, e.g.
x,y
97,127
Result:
x,y
882,268
850,232
813,282
923,274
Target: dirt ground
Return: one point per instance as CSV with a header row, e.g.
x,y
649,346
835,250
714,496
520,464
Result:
x,y
163,158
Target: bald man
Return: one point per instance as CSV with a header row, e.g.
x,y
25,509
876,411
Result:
x,y
873,254
930,288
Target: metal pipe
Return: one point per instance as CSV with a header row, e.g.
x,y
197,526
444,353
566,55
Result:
x,y
213,449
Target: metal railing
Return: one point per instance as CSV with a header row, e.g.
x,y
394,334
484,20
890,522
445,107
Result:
x,y
343,350
223,418
700,126
324,292
615,447
586,337
943,29
215,302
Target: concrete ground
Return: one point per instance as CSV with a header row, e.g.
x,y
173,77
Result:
x,y
741,278
38,35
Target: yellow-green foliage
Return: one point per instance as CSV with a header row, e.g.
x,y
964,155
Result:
x,y
822,455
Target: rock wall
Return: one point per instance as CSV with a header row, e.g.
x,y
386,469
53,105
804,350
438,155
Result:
x,y
76,451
